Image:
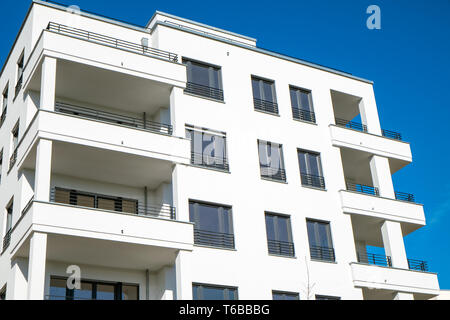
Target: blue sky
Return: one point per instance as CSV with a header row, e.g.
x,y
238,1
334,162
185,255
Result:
x,y
408,59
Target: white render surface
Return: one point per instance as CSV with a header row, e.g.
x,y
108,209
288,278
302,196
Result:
x,y
57,150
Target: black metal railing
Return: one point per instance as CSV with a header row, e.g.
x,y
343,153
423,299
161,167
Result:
x,y
7,240
375,259
273,173
204,91
112,42
266,106
114,118
13,159
418,265
201,159
305,115
312,180
3,116
19,85
360,188
109,203
322,253
405,196
213,239
351,125
28,206
392,135
281,248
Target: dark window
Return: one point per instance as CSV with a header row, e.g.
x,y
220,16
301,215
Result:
x,y
319,297
320,242
90,200
209,292
9,216
3,294
92,290
15,136
279,235
279,295
4,107
20,65
208,149
264,95
204,79
1,164
311,169
213,224
302,106
271,160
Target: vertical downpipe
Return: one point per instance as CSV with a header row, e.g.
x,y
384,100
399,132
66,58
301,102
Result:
x,y
145,200
147,284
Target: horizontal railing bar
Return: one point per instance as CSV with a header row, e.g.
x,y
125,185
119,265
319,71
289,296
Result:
x,y
405,196
209,161
203,90
305,115
264,105
362,188
313,180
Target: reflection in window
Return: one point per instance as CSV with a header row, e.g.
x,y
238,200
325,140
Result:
x,y
208,292
271,160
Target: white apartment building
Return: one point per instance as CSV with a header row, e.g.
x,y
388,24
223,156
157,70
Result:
x,y
181,161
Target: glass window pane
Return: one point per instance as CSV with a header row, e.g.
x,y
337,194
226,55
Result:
x,y
256,89
268,93
302,161
283,234
199,74
313,164
57,289
62,196
105,292
294,100
210,293
129,206
85,293
270,226
106,204
312,234
86,201
130,292
305,100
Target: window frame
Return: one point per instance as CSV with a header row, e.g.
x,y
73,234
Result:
x,y
214,93
317,237
260,103
325,297
320,183
311,115
196,286
277,231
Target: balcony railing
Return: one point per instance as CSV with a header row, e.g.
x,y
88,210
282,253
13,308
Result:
x,y
205,160
13,159
360,188
313,181
405,197
392,135
281,248
18,85
204,91
375,259
418,265
322,253
110,203
111,42
305,115
273,173
3,116
7,240
351,125
131,122
266,106
213,239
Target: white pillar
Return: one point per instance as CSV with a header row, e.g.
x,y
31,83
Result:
x,y
183,267
175,101
381,176
42,175
17,286
168,283
403,296
369,114
36,266
393,244
48,84
180,200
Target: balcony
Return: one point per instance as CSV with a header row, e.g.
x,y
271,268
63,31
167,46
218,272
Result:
x,y
207,161
265,106
360,188
351,125
281,248
322,253
204,91
213,239
314,181
386,261
303,115
275,174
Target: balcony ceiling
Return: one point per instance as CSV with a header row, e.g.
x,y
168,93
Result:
x,y
345,105
105,166
96,86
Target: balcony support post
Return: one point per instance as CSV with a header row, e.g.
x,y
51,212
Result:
x,y
176,97
381,176
183,267
48,84
393,244
369,114
43,170
36,266
403,296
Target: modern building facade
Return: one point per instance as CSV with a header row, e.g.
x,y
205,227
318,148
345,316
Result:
x,y
181,161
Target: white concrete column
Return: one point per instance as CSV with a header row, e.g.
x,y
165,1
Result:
x,y
381,176
178,124
17,286
393,244
369,114
42,175
183,267
180,200
36,266
403,296
48,84
168,283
